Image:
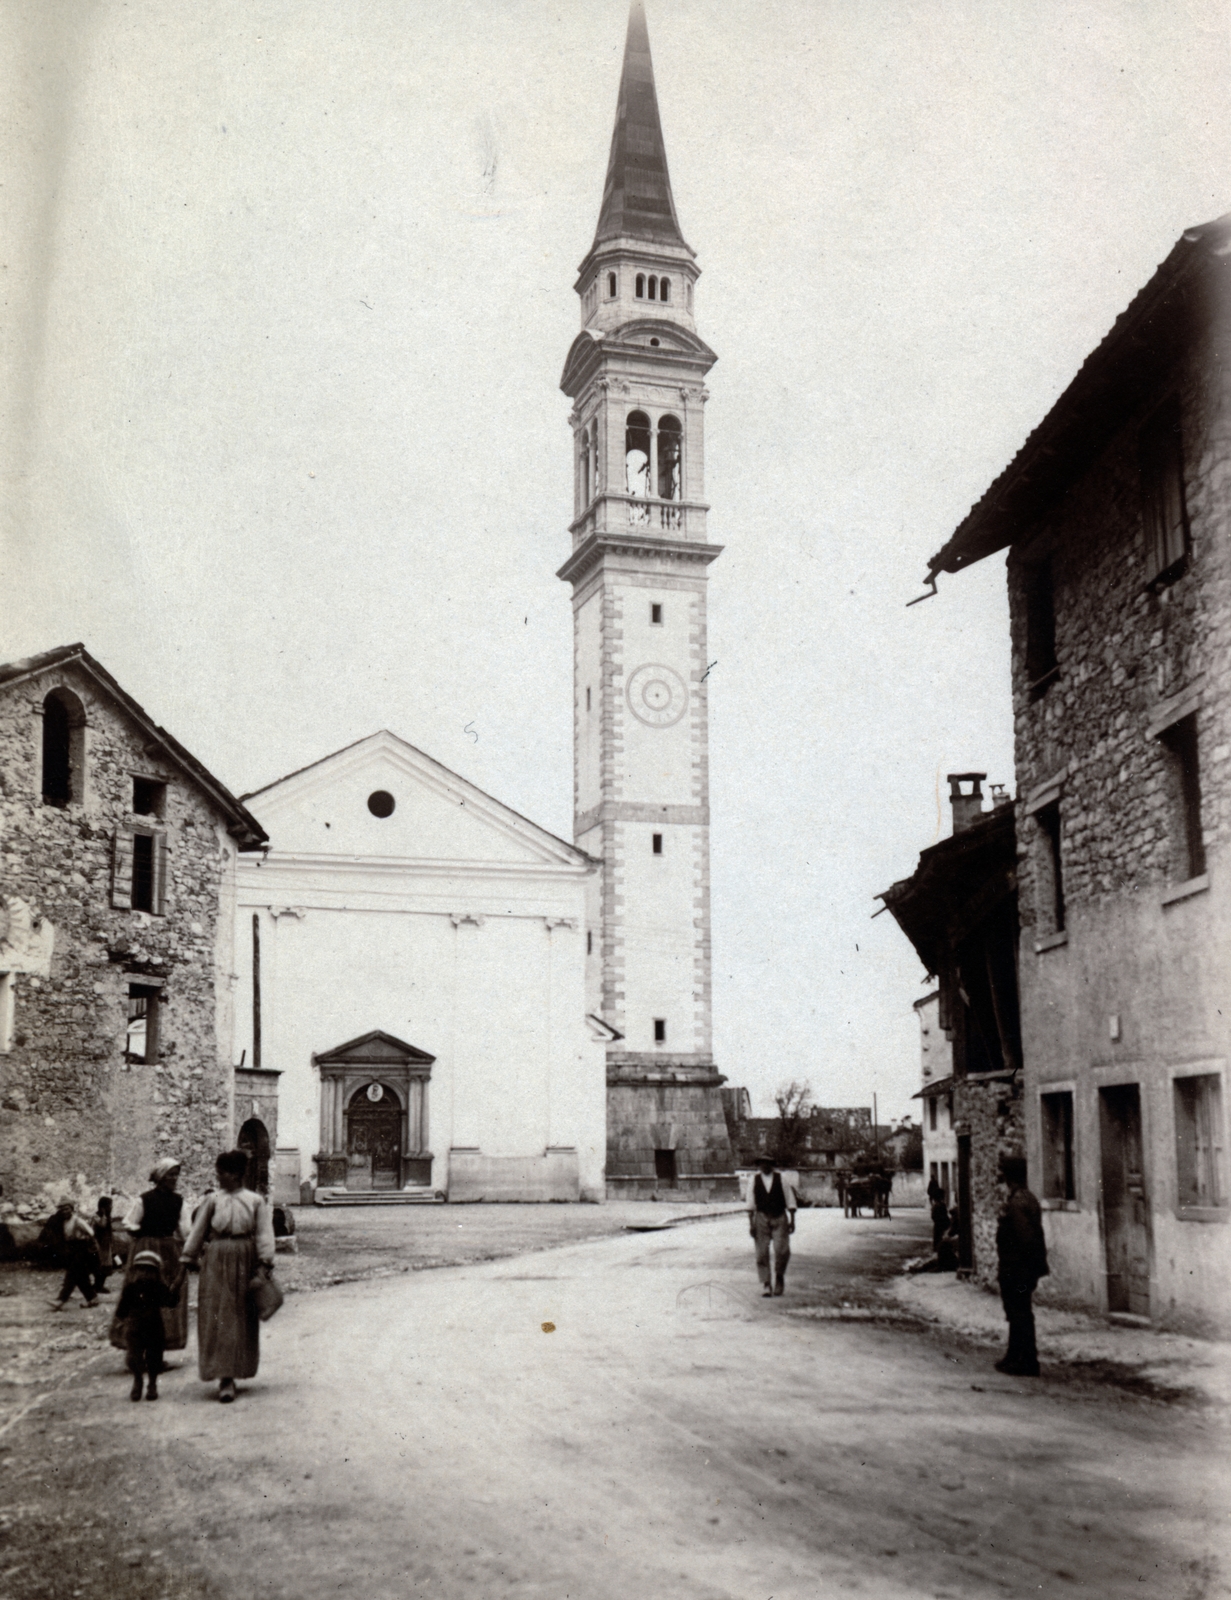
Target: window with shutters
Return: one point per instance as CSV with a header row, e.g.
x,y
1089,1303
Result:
x,y
139,870
1059,1181
1163,512
1042,668
1199,1142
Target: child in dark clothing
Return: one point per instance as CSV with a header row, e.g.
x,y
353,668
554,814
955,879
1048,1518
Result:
x,y
140,1313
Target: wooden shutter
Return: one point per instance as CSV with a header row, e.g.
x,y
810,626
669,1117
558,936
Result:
x,y
1162,475
122,870
159,897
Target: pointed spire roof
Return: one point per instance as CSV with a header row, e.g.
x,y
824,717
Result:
x,y
637,198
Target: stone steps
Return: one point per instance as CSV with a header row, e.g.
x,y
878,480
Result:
x,y
378,1197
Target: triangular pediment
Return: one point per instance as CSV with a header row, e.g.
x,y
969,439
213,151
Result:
x,y
383,800
373,1049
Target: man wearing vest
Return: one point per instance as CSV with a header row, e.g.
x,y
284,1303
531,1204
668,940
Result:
x,y
772,1203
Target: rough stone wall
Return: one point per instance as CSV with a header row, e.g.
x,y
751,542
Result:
x,y
992,1114
75,1112
1136,992
1123,647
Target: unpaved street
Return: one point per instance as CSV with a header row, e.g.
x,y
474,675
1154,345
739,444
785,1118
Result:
x,y
614,1419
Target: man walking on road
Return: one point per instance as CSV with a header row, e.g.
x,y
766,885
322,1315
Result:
x,y
1021,1252
772,1203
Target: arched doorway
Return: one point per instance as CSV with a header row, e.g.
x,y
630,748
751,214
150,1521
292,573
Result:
x,y
369,1081
253,1140
374,1138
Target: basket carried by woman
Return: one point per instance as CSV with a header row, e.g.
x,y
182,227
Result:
x,y
234,1228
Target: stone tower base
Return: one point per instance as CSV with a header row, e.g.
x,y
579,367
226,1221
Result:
x,y
667,1136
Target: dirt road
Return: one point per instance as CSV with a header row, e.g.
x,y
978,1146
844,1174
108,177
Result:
x,y
614,1419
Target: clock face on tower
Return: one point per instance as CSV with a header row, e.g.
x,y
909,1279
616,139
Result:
x,y
657,696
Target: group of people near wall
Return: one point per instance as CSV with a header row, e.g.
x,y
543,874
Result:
x,y
230,1234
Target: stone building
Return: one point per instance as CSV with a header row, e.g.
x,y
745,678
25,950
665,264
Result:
x,y
411,960
116,923
959,910
1115,515
636,376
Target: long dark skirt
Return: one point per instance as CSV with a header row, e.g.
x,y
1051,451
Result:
x,y
228,1328
174,1318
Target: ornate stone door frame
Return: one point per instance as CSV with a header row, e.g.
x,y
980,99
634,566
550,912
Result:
x,y
374,1058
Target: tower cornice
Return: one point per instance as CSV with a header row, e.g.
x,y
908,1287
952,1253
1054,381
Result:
x,y
598,546
628,349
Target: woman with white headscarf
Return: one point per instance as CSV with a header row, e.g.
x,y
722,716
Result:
x,y
155,1222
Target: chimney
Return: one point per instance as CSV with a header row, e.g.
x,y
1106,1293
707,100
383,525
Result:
x,y
967,803
1000,796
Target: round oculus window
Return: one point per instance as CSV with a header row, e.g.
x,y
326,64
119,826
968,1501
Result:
x,y
381,803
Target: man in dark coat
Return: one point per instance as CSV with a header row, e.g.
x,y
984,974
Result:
x,y
1021,1253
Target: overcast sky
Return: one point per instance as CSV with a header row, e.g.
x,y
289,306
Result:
x,y
287,293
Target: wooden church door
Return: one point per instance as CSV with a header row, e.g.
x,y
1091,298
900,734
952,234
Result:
x,y
374,1140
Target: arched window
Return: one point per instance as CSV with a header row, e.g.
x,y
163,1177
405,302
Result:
x,y
637,454
640,287
585,468
670,452
664,289
63,748
611,286
253,1140
653,288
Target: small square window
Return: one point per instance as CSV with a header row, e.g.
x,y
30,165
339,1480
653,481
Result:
x,y
141,1039
660,1030
657,843
149,797
656,613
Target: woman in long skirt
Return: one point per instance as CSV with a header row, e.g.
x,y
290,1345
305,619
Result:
x,y
235,1229
156,1222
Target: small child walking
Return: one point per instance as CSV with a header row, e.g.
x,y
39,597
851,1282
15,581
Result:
x,y
80,1256
140,1314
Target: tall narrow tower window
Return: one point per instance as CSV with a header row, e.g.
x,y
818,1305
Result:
x,y
664,289
670,440
660,1030
637,454
640,288
656,613
585,468
611,286
656,844
63,748
653,288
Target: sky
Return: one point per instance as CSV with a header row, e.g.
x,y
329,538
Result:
x,y
287,291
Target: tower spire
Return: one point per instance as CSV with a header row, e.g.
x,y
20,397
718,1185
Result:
x,y
637,200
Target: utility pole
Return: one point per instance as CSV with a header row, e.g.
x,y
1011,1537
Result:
x,y
876,1133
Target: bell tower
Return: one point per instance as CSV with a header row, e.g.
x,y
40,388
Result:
x,y
638,570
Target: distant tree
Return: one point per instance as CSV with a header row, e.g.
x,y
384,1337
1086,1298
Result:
x,y
794,1102
910,1156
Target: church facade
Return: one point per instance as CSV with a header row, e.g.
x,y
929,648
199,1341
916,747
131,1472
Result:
x,y
411,989
638,571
